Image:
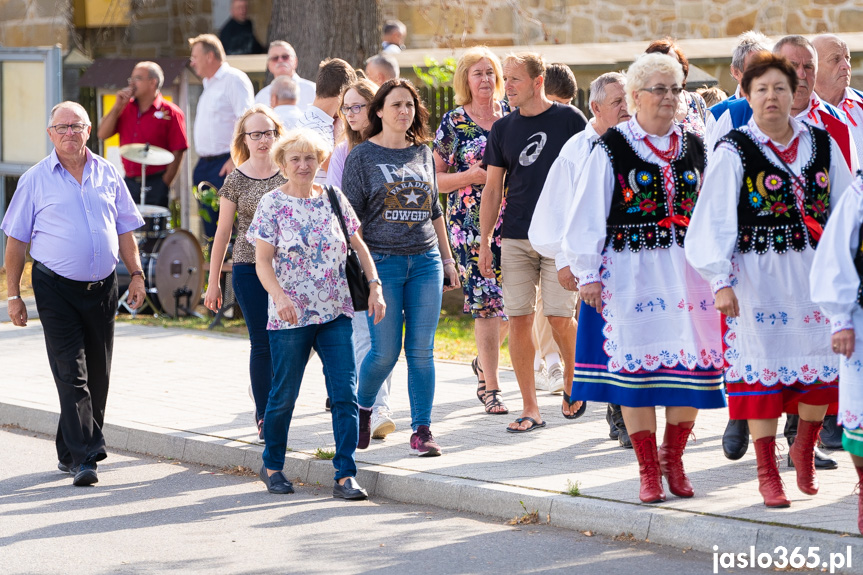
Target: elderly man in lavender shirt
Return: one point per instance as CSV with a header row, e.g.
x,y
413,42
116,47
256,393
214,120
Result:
x,y
77,214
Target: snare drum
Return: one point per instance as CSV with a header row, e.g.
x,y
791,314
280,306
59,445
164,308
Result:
x,y
157,221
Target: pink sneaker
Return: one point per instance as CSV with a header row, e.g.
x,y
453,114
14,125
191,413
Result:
x,y
423,443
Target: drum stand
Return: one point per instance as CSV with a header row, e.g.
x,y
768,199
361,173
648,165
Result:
x,y
134,312
185,292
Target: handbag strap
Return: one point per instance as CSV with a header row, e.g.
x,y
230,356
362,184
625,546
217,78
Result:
x,y
337,210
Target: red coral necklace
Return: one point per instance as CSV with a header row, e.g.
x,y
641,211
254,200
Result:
x,y
668,154
789,156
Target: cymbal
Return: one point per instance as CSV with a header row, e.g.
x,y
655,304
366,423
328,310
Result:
x,y
146,154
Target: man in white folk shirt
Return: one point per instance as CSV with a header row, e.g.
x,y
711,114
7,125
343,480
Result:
x,y
833,84
227,95
282,61
549,231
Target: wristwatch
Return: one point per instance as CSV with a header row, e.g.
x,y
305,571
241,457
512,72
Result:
x,y
138,273
375,281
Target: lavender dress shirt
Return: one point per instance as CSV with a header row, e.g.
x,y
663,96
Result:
x,y
72,228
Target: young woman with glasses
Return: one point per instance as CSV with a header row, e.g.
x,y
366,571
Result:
x,y
254,135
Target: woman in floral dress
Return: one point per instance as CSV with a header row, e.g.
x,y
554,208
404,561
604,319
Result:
x,y
458,149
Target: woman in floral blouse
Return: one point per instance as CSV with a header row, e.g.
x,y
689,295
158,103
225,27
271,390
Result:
x,y
300,259
458,149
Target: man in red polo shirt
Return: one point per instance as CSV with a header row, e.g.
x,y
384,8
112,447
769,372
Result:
x,y
141,116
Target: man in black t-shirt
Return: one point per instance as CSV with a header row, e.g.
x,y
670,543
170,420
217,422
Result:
x,y
520,151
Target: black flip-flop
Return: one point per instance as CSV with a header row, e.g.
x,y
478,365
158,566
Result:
x,y
529,429
569,401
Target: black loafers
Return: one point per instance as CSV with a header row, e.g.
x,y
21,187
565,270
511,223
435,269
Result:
x,y
277,482
85,474
735,440
351,490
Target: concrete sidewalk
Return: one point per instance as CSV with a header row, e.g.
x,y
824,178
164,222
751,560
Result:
x,y
183,394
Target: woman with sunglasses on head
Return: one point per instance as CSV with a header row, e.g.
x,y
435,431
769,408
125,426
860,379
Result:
x,y
254,135
355,100
390,181
766,197
649,335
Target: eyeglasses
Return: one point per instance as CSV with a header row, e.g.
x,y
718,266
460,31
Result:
x,y
661,91
285,57
353,109
137,79
271,134
63,128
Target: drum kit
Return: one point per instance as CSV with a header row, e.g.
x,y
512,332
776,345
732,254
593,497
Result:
x,y
172,260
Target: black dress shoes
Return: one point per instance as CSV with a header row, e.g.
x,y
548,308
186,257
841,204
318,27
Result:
x,y
617,421
831,434
85,474
351,490
735,440
613,433
277,482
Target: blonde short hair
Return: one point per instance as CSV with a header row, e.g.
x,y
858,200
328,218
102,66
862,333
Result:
x,y
239,150
298,140
643,68
533,61
468,59
210,43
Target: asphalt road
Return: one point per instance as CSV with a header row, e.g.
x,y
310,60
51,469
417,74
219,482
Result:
x,y
148,515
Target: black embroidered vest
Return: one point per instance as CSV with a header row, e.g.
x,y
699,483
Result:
x,y
767,212
639,201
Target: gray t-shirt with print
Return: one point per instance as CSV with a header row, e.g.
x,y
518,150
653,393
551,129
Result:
x,y
394,194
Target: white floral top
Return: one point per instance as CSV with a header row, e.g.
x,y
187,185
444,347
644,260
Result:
x,y
310,255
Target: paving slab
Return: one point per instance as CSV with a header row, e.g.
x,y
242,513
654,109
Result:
x,y
183,394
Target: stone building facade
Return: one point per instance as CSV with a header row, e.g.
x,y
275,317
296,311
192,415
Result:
x,y
450,23
160,27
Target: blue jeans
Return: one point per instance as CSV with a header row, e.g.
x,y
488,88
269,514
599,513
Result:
x,y
252,298
290,348
412,288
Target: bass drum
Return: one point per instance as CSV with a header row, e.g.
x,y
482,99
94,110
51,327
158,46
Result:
x,y
171,262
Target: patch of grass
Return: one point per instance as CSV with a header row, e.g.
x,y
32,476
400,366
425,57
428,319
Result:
x,y
237,326
454,339
26,284
327,454
573,488
529,517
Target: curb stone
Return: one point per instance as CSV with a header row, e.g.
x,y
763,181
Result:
x,y
679,529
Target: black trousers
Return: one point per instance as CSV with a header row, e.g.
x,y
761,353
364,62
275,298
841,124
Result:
x,y
79,335
158,191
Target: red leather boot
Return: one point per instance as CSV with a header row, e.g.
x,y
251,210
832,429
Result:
x,y
860,499
803,455
769,482
671,458
644,443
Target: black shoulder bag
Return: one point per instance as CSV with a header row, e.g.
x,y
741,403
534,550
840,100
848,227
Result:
x,y
353,270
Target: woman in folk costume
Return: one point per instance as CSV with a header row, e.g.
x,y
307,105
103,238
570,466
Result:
x,y
835,283
766,196
651,336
